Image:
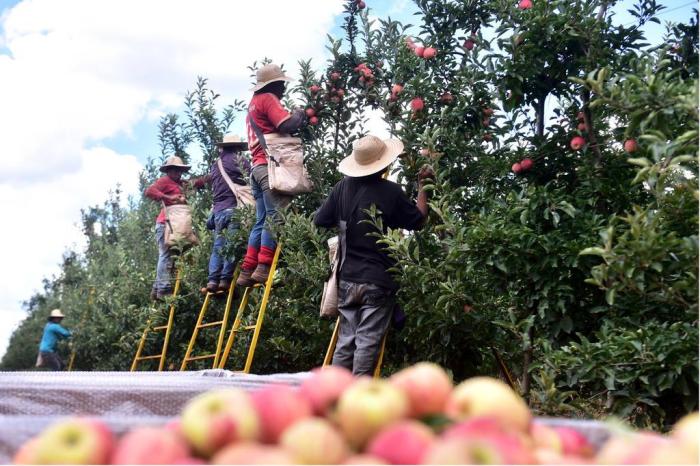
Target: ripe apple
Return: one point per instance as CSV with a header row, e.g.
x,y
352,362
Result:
x,y
525,4
577,142
409,43
361,5
313,120
314,441
687,431
335,76
417,104
485,396
324,387
545,438
218,417
252,453
364,459
419,51
429,53
426,384
310,112
526,164
487,137
278,407
582,127
463,451
488,111
340,93
447,98
469,44
573,442
486,121
75,441
512,444
425,152
580,116
630,448
27,452
150,445
335,99
396,89
367,407
405,442
630,146
314,88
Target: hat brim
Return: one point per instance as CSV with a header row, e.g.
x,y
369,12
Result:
x,y
237,145
185,168
259,86
349,166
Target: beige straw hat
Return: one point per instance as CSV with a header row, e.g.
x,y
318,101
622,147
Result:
x,y
174,161
56,313
235,141
370,155
269,74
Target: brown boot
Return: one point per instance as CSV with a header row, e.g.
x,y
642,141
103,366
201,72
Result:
x,y
224,285
244,278
262,271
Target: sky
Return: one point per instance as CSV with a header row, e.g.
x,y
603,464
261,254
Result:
x,y
83,84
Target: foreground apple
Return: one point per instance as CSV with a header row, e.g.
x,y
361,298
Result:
x,y
513,445
324,387
364,459
215,418
150,445
75,441
485,396
687,432
462,451
577,142
27,453
315,441
573,442
402,443
427,386
367,407
278,407
252,453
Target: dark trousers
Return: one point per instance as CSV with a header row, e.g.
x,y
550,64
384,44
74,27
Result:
x,y
365,313
52,361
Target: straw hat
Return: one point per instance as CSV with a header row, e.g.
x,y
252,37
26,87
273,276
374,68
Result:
x,y
370,155
269,74
174,161
56,313
234,141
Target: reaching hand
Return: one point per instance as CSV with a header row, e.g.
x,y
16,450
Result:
x,y
425,172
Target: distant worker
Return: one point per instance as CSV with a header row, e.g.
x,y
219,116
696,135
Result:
x,y
268,116
221,267
366,289
169,190
53,332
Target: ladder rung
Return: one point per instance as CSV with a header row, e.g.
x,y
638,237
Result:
x,y
141,358
197,358
249,327
211,324
161,327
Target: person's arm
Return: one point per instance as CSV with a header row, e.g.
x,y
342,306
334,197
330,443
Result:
x,y
61,331
422,199
199,182
293,123
154,192
407,214
284,121
326,216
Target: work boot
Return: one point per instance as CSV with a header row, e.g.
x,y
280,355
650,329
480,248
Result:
x,y
224,285
154,295
212,287
244,278
162,294
262,271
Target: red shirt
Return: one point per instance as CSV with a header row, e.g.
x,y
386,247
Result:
x,y
164,186
268,113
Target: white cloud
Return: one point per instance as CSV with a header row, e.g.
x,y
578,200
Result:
x,y
80,71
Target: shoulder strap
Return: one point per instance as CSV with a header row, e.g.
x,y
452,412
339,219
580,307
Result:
x,y
356,201
225,176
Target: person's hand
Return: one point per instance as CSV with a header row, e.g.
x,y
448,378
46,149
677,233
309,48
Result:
x,y
425,172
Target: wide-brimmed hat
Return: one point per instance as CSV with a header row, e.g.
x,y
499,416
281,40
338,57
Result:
x,y
234,141
56,313
174,161
268,74
370,155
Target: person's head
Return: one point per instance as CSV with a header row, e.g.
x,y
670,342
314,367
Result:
x,y
231,144
56,316
174,167
270,78
370,157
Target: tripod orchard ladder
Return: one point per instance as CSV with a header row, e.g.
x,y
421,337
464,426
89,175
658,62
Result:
x,y
220,323
334,340
236,327
90,300
168,328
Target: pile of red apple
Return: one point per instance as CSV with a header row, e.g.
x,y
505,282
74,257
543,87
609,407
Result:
x,y
415,417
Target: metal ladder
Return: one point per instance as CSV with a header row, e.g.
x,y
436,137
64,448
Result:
x,y
88,308
334,339
168,328
220,323
236,327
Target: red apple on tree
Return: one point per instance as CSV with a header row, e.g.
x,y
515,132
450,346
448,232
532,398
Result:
x,y
487,137
630,146
310,112
469,44
396,89
417,104
582,127
447,98
429,53
313,120
419,51
335,76
340,93
526,164
488,111
516,168
361,5
314,89
577,142
525,4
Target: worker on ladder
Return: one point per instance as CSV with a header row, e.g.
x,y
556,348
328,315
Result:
x,y
53,332
225,185
367,291
267,116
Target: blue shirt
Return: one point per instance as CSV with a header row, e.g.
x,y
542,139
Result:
x,y
52,333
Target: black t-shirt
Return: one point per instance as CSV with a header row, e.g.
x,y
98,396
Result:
x,y
365,262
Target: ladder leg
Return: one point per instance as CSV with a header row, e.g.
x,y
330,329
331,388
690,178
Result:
x,y
171,316
234,328
224,323
140,347
202,311
331,346
380,359
261,313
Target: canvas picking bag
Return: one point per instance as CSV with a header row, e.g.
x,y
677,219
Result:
x,y
179,233
285,168
243,193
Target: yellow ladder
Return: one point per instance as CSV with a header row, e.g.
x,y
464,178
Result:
x,y
91,295
168,327
222,328
334,339
259,321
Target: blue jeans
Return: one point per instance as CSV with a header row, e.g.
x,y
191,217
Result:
x,y
220,266
163,283
267,202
